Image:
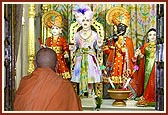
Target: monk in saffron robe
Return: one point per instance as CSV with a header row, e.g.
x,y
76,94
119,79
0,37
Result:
x,y
44,89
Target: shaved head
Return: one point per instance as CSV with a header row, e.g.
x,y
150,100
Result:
x,y
46,58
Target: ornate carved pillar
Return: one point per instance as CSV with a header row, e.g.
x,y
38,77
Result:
x,y
45,8
31,38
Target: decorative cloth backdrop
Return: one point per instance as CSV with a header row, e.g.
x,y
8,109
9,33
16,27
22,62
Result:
x,y
143,17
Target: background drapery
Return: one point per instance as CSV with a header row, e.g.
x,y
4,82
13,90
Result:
x,y
143,17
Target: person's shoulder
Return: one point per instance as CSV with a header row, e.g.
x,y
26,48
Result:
x,y
59,77
63,84
66,81
26,77
66,84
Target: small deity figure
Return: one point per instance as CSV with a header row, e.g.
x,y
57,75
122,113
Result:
x,y
53,20
146,74
120,50
87,69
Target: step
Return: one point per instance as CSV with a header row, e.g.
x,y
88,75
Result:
x,y
88,104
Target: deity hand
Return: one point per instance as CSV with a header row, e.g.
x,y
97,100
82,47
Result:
x,y
43,46
137,52
66,56
99,42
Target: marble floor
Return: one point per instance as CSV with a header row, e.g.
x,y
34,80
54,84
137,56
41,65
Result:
x,y
88,104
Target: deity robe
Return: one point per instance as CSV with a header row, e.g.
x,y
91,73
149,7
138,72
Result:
x,y
146,73
119,61
60,47
44,90
87,69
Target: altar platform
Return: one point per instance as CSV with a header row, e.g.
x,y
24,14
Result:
x,y
88,104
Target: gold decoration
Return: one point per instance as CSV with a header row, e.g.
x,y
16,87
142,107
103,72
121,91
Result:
x,y
51,18
45,32
118,15
31,39
57,49
66,75
99,89
45,7
152,48
31,11
120,96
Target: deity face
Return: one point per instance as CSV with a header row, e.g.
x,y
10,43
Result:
x,y
55,30
152,36
121,29
86,23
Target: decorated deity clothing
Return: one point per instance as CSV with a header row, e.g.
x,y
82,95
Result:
x,y
146,73
60,47
86,69
119,60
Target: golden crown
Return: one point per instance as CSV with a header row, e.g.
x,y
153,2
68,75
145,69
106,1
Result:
x,y
118,15
51,18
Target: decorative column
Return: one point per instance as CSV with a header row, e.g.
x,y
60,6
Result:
x,y
100,31
31,38
44,30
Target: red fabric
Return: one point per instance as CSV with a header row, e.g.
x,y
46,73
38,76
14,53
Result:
x,y
140,78
111,55
44,90
149,92
61,42
130,47
141,73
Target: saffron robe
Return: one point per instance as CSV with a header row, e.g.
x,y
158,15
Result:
x,y
44,90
